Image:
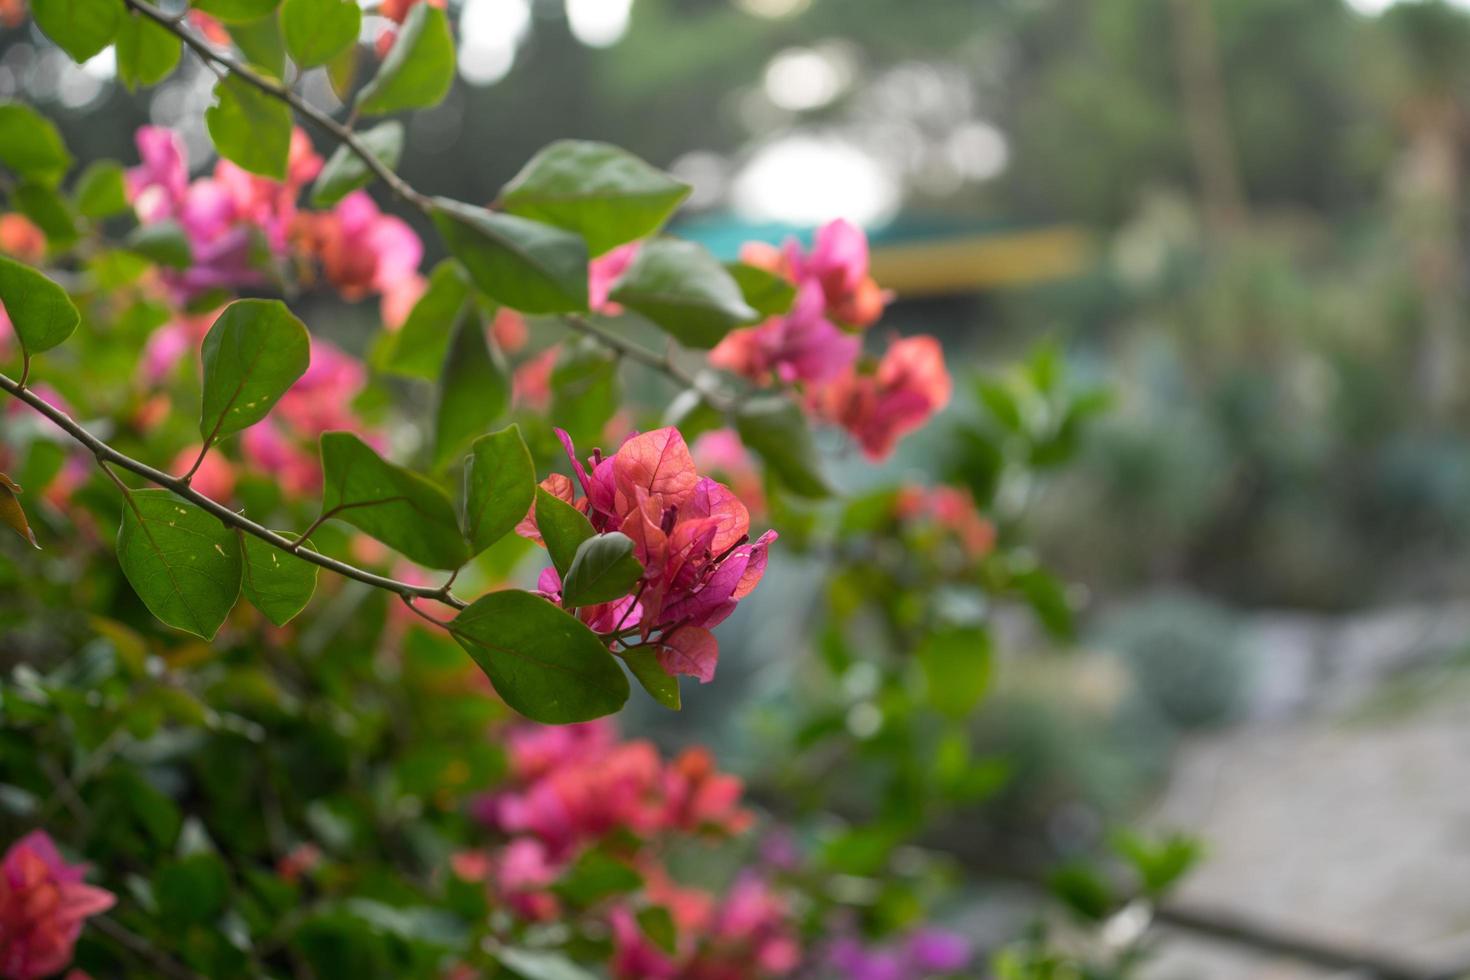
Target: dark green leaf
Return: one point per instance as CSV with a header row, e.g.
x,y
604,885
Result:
x,y
602,570
603,193
345,171
146,52
261,43
418,349
12,515
101,191
765,292
545,663
957,666
399,508
597,875
49,210
1048,600
681,288
658,925
183,563
192,890
81,28
418,70
474,390
250,128
316,31
40,312
277,583
252,355
585,393
237,11
522,264
31,145
163,243
662,686
774,427
500,487
563,528
1083,890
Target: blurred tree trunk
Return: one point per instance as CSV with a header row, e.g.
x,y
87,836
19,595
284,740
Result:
x,y
1206,114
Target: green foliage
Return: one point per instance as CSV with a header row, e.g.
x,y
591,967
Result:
x,y
163,243
418,349
521,264
40,312
681,288
237,11
500,487
418,70
957,667
765,292
183,563
398,507
474,390
101,191
250,128
563,527
253,354
262,44
316,31
345,171
30,144
604,194
277,583
661,686
603,569
544,663
146,53
81,28
774,427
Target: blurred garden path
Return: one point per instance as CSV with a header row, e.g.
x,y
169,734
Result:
x,y
1341,809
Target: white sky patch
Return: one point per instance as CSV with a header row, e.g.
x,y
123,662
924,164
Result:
x,y
805,179
599,23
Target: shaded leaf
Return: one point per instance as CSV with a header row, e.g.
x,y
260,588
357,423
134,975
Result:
x,y
31,145
957,667
399,508
316,31
525,265
250,128
658,925
682,288
183,563
418,70
603,569
500,487
49,210
276,582
774,427
163,243
563,528
252,355
418,348
101,191
601,192
345,171
662,686
261,43
474,390
765,292
545,663
40,312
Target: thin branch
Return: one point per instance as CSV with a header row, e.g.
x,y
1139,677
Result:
x,y
157,958
663,363
107,455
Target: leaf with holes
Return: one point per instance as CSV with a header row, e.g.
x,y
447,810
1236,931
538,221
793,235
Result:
x,y
685,291
601,192
253,354
603,569
40,312
12,515
522,264
183,563
500,486
399,508
545,663
276,582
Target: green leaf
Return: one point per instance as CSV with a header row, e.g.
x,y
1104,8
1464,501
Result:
x,y
183,563
585,393
49,210
261,43
522,264
191,890
595,876
12,514
693,415
81,28
316,31
162,243
399,508
1048,600
539,964
681,288
418,349
146,52
773,426
500,487
101,191
345,171
545,663
658,925
237,11
276,582
474,390
601,192
563,528
957,667
1083,890
418,70
602,570
765,292
662,686
250,128
31,145
40,312
252,355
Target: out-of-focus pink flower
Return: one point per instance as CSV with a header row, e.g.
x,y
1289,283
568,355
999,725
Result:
x,y
299,862
361,249
925,952
838,262
215,477
910,384
803,345
952,509
689,532
43,903
699,796
397,12
19,237
603,273
12,13
721,452
214,32
399,300
531,383
509,330
294,469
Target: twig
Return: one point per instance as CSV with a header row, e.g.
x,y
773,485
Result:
x,y
107,455
662,363
161,961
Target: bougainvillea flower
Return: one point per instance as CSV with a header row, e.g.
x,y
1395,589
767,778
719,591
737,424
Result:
x,y
953,510
910,384
43,903
721,452
21,238
361,249
690,533
803,345
838,262
603,273
925,952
